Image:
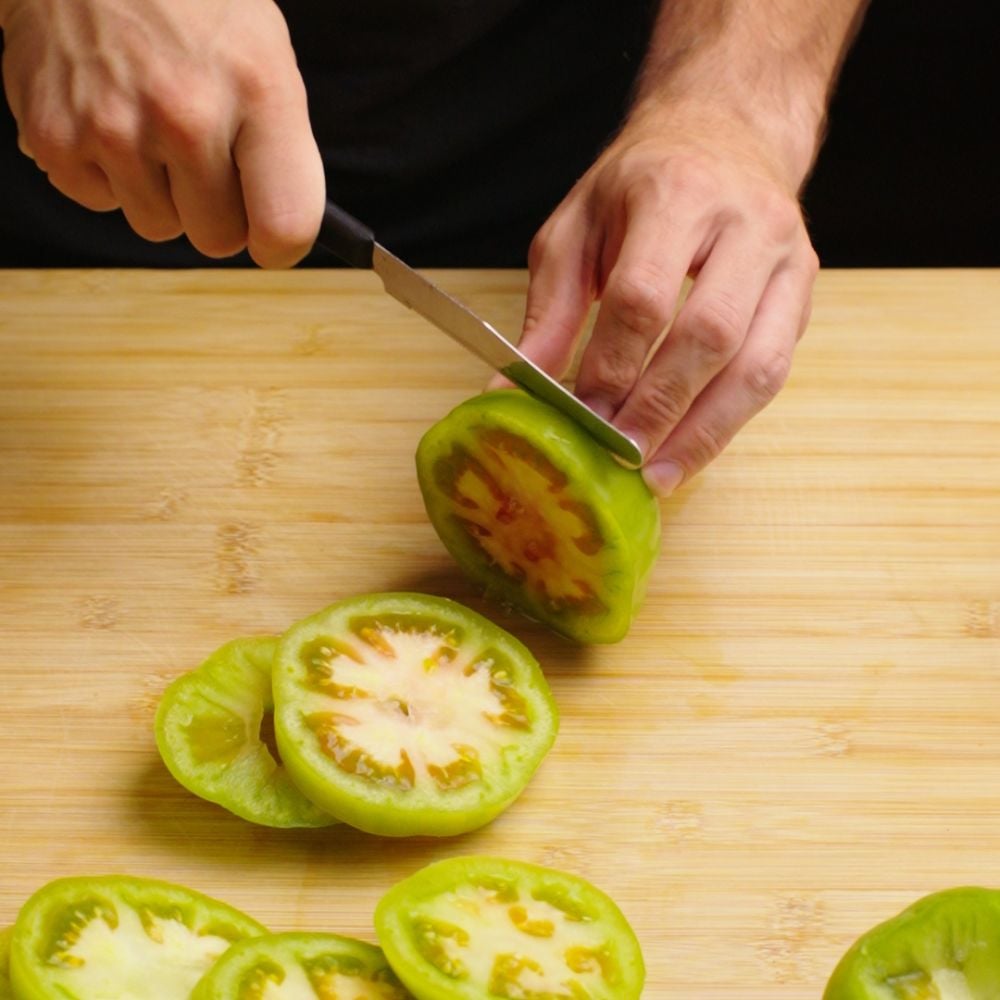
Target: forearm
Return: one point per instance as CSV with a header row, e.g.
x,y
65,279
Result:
x,y
771,63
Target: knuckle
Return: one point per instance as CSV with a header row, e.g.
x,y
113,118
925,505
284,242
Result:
x,y
716,328
766,376
219,245
707,442
187,121
112,132
538,248
693,178
155,229
663,402
613,369
51,142
638,302
780,215
282,238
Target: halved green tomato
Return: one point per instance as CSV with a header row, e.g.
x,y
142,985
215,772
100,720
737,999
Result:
x,y
301,967
104,937
404,714
539,514
6,990
478,928
945,946
208,730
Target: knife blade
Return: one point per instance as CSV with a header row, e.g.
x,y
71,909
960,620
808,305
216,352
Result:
x,y
353,242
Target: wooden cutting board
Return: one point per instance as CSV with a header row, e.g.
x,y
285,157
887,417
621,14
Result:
x,y
799,737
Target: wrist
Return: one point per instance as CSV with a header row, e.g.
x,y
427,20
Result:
x,y
761,71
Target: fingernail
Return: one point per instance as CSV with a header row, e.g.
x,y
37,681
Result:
x,y
599,405
663,477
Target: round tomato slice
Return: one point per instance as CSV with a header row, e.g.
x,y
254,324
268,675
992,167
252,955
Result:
x,y
539,514
478,928
301,967
945,946
6,990
404,714
122,937
208,730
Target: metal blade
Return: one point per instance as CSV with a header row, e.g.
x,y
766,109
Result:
x,y
489,345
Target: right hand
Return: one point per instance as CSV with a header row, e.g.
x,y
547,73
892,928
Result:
x,y
189,116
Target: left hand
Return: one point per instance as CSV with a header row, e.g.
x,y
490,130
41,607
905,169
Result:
x,y
682,191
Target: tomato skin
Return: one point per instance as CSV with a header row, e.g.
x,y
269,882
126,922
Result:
x,y
429,928
6,990
219,707
51,919
369,789
614,503
301,959
952,935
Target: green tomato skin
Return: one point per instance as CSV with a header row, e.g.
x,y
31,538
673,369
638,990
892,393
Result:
x,y
627,512
232,687
6,990
378,808
48,915
291,956
955,929
413,898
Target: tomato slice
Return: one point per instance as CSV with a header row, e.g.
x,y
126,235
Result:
x,y
208,730
6,990
119,937
945,946
301,967
404,714
539,514
478,928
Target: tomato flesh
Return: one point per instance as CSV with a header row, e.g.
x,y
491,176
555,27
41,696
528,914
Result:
x,y
483,928
538,513
122,937
404,714
208,731
945,946
301,967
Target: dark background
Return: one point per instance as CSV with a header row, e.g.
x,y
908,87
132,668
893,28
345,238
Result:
x,y
910,172
907,176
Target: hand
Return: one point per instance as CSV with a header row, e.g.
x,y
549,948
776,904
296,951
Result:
x,y
189,116
682,191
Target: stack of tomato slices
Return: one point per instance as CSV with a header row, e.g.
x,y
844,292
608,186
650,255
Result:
x,y
472,928
400,714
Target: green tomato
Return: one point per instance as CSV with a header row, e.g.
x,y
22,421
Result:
x,y
945,946
6,990
539,514
479,928
301,967
208,730
404,714
119,937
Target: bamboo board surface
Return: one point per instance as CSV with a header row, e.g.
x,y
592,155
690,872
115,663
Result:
x,y
798,738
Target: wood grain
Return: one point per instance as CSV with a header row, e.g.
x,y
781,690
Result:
x,y
798,738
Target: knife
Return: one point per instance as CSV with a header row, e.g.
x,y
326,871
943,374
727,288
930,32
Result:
x,y
354,243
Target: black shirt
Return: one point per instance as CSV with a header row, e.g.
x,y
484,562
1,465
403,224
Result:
x,y
451,127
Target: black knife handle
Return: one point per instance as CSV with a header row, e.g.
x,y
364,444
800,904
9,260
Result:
x,y
343,235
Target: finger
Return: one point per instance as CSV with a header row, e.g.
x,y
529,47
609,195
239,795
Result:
x,y
209,203
113,139
561,265
638,301
281,174
87,184
745,387
705,336
143,190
